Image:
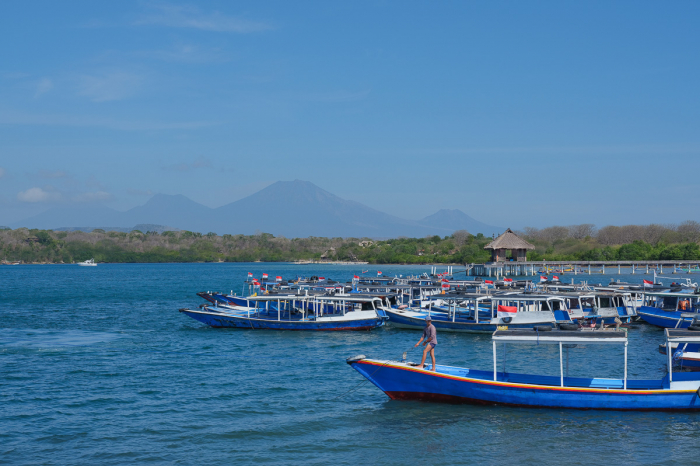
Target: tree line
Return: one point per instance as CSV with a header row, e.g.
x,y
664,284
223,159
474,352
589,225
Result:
x,y
627,242
578,242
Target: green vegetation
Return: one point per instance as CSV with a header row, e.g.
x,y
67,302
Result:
x,y
580,242
629,242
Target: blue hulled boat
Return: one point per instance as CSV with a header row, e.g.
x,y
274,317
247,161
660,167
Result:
x,y
516,310
401,380
671,309
686,355
296,312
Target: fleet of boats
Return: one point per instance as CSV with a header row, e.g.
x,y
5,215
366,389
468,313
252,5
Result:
x,y
547,312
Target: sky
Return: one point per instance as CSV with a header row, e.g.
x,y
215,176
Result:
x,y
518,113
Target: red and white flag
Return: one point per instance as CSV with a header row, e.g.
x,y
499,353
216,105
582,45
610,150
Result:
x,y
543,278
356,277
379,273
506,311
264,276
648,283
250,275
279,279
555,278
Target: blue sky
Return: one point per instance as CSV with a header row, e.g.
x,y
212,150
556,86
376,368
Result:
x,y
518,113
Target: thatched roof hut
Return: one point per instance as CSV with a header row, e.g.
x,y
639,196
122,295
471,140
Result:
x,y
508,240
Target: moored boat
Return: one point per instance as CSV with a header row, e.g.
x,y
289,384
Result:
x,y
296,312
671,309
402,380
515,310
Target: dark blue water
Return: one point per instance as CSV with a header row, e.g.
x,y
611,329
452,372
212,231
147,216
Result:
x,y
98,367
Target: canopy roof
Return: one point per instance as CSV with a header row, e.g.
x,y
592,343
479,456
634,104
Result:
x,y
509,240
675,294
682,335
561,336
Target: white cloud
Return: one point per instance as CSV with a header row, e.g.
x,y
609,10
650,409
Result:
x,y
50,194
43,86
37,195
109,86
182,16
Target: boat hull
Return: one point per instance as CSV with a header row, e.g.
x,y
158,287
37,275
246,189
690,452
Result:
x,y
230,321
403,382
664,319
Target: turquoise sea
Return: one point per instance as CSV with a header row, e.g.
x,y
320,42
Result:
x,y
97,366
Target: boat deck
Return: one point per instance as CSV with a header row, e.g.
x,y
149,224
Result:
x,y
574,382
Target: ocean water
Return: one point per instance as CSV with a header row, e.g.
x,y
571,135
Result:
x,y
97,366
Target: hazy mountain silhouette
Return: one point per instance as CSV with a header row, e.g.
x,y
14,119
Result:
x,y
300,208
289,208
455,219
176,210
161,209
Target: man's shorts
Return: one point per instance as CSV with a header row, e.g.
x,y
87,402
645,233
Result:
x,y
432,345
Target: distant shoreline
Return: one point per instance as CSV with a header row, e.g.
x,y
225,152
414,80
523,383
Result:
x,y
427,264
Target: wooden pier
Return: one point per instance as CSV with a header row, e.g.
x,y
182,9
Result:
x,y
531,268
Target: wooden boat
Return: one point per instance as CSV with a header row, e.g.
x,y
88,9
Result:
x,y
603,304
402,380
296,312
517,310
671,309
686,355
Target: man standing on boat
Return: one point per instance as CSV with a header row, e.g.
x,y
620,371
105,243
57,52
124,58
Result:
x,y
430,337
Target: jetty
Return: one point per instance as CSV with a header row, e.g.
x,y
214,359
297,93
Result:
x,y
515,264
531,268
322,262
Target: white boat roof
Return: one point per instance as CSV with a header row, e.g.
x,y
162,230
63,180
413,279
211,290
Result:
x,y
675,294
312,297
675,335
527,297
349,297
561,336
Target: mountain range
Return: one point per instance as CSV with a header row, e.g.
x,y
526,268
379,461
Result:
x,y
294,209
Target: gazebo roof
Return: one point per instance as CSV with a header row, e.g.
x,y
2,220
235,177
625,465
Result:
x,y
509,240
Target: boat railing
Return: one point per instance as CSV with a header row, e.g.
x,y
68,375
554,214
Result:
x,y
563,338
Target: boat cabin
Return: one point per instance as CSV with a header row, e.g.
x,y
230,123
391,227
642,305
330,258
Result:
x,y
674,301
564,339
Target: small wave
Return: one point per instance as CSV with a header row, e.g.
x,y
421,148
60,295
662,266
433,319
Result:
x,y
44,339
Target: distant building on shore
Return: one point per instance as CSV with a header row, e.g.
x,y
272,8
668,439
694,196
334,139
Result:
x,y
509,241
